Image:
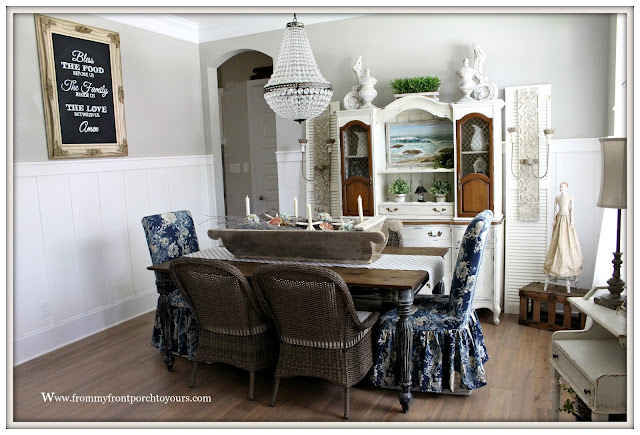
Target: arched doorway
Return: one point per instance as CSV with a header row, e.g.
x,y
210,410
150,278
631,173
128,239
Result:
x,y
248,134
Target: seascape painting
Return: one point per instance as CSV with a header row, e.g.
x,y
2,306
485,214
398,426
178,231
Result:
x,y
417,143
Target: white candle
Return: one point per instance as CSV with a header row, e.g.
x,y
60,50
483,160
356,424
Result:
x,y
360,209
309,213
246,205
295,207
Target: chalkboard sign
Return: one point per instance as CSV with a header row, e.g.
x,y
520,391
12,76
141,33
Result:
x,y
82,89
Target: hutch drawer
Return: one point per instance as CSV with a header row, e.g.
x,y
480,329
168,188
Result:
x,y
417,209
426,235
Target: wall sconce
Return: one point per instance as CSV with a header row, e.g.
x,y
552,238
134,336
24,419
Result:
x,y
325,170
530,162
330,143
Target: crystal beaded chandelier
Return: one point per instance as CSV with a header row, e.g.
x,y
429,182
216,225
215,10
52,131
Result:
x,y
297,90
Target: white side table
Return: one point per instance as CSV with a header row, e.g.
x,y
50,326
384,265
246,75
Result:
x,y
593,361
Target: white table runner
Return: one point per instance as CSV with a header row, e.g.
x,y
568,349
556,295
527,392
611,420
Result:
x,y
432,264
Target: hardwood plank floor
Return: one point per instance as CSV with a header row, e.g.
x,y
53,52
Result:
x,y
120,361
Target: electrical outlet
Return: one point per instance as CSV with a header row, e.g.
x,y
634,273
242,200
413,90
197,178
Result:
x,y
44,308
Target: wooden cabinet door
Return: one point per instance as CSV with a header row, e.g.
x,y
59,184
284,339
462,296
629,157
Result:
x,y
474,195
356,168
475,164
352,188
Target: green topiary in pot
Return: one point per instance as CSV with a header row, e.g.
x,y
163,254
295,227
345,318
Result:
x,y
439,189
415,85
399,187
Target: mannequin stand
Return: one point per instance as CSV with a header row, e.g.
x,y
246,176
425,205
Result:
x,y
555,279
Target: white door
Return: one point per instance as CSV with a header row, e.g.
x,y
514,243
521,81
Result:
x,y
263,145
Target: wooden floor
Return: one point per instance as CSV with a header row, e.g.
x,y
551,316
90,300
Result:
x,y
120,361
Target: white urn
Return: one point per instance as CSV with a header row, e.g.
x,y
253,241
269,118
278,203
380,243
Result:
x,y
367,91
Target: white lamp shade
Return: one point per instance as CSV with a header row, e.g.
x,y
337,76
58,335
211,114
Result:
x,y
613,188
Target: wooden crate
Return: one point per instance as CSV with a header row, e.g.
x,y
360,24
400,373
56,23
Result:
x,y
549,309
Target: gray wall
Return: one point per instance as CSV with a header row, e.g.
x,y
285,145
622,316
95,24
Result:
x,y
167,107
569,51
163,107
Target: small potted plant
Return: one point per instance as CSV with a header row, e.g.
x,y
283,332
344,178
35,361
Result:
x,y
439,189
399,188
427,85
575,406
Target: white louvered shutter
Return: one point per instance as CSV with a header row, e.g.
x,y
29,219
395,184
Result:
x,y
526,241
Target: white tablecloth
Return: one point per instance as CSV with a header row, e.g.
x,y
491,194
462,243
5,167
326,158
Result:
x,y
432,264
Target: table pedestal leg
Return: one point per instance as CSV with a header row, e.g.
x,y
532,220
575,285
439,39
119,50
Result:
x,y
404,336
164,286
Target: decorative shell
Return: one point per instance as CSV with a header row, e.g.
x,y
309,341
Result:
x,y
326,226
276,221
253,219
347,226
324,216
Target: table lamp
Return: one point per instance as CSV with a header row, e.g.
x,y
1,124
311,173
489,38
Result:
x,y
613,194
420,191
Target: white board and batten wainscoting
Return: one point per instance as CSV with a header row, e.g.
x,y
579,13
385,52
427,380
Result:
x,y
80,254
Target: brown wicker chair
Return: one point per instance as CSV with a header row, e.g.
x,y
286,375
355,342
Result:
x,y
321,334
232,328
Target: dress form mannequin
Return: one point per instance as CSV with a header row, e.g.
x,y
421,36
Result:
x,y
564,257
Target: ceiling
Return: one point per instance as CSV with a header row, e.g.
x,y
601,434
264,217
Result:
x,y
206,27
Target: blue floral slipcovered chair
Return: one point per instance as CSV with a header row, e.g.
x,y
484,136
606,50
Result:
x,y
172,235
448,350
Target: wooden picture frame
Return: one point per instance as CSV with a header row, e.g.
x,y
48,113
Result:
x,y
82,90
417,143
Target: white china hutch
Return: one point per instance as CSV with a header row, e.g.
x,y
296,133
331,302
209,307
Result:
x,y
475,179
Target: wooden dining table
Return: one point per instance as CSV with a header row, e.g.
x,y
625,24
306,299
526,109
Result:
x,y
404,283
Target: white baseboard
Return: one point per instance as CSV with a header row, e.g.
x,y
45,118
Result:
x,y
49,339
511,308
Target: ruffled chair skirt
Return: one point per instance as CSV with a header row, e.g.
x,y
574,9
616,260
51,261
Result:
x,y
184,328
442,359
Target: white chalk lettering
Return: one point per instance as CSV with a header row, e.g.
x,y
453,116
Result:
x,y
69,85
75,107
69,65
101,109
80,56
93,69
86,128
102,90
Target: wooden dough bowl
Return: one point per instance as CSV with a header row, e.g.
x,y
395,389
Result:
x,y
361,246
